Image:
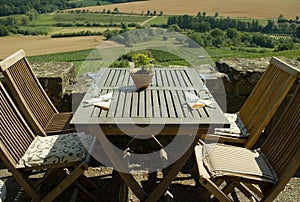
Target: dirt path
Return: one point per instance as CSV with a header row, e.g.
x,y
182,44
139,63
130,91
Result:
x,y
148,20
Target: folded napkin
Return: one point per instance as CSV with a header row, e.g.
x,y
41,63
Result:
x,y
103,105
194,102
103,101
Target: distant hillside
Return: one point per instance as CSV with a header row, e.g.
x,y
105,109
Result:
x,y
10,7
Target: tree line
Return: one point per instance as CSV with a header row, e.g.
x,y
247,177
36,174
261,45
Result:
x,y
10,7
247,35
203,23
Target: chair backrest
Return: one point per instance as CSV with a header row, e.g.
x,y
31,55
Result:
x,y
266,97
15,135
282,147
30,96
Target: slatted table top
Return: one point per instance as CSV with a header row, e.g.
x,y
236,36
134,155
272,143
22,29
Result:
x,y
162,103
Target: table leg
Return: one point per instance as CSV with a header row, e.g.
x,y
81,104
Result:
x,y
116,161
174,170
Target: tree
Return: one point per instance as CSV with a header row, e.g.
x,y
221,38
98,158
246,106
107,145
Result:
x,y
3,31
180,38
174,27
32,14
217,33
232,33
297,32
281,18
24,20
124,26
271,27
116,10
284,44
202,27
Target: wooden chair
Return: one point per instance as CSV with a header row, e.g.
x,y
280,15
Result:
x,y
255,114
31,98
260,174
24,154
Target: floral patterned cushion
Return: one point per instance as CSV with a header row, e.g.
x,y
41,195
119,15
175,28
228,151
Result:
x,y
237,127
56,149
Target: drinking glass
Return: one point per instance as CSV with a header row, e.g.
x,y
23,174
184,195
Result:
x,y
94,89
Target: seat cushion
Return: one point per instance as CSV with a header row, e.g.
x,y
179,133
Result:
x,y
56,149
237,127
231,161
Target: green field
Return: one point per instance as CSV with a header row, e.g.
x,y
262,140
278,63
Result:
x,y
97,18
158,20
165,59
89,2
49,22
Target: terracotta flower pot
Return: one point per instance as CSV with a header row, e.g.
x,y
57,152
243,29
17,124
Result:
x,y
141,78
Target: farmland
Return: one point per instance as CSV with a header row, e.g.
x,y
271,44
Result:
x,y
230,8
78,22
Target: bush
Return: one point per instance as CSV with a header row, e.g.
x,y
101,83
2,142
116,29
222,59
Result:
x,y
74,34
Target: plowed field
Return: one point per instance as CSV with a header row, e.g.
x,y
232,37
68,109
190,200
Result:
x,y
231,8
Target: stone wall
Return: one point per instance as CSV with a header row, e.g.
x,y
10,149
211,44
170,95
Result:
x,y
241,77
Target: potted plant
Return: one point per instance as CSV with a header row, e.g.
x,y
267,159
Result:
x,y
143,73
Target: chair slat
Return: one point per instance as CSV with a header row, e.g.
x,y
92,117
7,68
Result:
x,y
15,136
285,140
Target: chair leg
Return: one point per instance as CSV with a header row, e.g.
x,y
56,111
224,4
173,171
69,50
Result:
x,y
66,182
87,183
84,194
213,189
229,187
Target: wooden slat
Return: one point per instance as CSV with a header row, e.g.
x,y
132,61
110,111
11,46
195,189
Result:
x,y
266,97
149,105
11,60
15,135
163,105
156,105
142,106
134,105
175,79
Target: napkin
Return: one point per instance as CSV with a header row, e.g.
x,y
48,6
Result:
x,y
194,102
103,105
103,101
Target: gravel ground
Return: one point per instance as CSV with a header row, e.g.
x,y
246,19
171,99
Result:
x,y
183,188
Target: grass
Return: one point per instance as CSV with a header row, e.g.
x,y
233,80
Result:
x,y
46,22
80,57
158,20
44,19
77,57
89,2
218,53
97,18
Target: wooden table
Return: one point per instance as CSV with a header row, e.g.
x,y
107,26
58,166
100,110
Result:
x,y
158,110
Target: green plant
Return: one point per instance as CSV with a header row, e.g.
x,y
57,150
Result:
x,y
143,61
